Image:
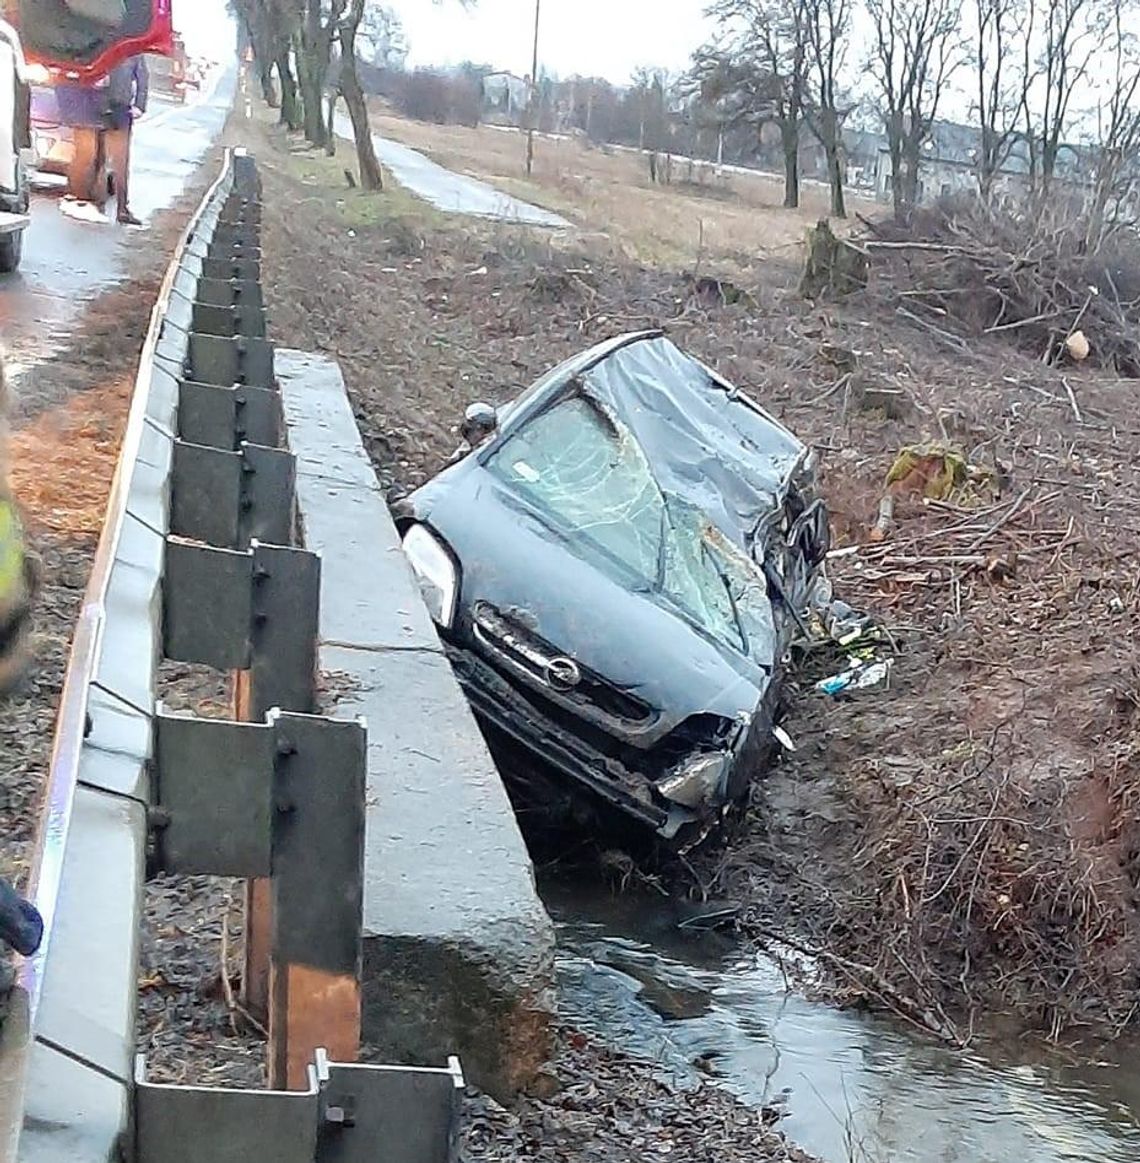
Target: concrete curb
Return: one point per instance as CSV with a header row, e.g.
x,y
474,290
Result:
x,y
458,948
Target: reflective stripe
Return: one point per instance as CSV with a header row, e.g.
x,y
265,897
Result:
x,y
11,552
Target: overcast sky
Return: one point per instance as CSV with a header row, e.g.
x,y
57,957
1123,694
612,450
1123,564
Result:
x,y
205,26
608,38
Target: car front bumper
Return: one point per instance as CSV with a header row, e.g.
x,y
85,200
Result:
x,y
499,705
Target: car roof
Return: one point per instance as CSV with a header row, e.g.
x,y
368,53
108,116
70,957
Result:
x,y
704,440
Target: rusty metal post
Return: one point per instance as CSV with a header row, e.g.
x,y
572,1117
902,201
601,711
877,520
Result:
x,y
282,675
317,894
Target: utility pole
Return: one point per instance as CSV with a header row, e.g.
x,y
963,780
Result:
x,y
535,99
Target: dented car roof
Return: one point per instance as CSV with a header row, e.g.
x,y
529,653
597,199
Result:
x,y
705,441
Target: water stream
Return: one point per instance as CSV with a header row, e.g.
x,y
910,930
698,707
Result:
x,y
855,1087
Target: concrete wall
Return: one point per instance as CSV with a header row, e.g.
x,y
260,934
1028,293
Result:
x,y
458,947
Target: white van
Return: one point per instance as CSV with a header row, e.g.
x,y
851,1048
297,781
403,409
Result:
x,y
15,148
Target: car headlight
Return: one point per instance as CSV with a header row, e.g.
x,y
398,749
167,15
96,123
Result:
x,y
435,572
699,781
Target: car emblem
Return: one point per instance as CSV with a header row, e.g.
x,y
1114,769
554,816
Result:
x,y
563,674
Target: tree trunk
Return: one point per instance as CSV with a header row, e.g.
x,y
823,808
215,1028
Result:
x,y
790,135
268,89
290,106
313,116
330,125
835,173
898,188
912,162
371,176
1048,165
830,139
310,76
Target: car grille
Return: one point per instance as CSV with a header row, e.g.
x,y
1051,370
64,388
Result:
x,y
505,638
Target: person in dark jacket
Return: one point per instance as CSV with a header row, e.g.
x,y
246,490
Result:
x,y
127,92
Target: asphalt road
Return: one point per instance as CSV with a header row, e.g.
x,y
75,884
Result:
x,y
447,190
67,262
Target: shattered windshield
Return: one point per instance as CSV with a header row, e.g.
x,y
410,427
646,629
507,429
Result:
x,y
589,475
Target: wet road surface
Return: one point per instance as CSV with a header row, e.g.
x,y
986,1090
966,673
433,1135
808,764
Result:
x,y
449,191
67,262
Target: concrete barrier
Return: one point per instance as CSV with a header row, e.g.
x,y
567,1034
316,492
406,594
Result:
x,y
458,949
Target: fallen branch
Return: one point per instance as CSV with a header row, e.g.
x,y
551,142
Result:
x,y
1000,523
1072,399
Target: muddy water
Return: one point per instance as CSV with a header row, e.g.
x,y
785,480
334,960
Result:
x,y
854,1087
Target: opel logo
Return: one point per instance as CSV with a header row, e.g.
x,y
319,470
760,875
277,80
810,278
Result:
x,y
563,674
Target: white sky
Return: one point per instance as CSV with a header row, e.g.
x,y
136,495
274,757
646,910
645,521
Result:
x,y
608,38
206,28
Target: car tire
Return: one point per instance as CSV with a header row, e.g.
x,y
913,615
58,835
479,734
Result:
x,y
11,251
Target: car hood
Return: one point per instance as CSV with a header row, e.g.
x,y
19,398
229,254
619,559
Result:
x,y
512,561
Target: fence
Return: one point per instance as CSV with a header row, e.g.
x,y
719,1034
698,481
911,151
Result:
x,y
198,562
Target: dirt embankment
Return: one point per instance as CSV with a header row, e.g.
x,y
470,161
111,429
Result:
x,y
964,843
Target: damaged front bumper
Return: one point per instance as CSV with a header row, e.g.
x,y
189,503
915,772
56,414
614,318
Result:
x,y
695,786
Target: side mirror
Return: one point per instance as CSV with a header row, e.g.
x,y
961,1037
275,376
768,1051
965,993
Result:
x,y
479,421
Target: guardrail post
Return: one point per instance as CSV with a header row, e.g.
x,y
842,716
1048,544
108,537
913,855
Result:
x,y
282,673
291,793
317,894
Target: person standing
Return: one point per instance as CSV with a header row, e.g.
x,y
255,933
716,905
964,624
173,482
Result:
x,y
83,109
127,92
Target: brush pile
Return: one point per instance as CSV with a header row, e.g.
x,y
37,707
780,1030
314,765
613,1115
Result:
x,y
965,271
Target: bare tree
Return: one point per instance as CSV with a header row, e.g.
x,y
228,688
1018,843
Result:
x,y
648,89
915,50
268,24
1116,188
371,177
760,66
1002,77
1064,42
316,32
827,24
381,41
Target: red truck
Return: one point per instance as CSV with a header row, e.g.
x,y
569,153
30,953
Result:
x,y
78,42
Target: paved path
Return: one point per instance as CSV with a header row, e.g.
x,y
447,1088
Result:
x,y
447,190
67,262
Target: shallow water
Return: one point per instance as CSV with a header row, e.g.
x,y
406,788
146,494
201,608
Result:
x,y
855,1086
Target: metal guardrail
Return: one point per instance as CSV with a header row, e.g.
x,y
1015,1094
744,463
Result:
x,y
198,563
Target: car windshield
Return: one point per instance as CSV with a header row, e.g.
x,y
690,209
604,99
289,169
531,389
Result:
x,y
591,480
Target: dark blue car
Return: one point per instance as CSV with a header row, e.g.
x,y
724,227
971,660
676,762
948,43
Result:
x,y
617,571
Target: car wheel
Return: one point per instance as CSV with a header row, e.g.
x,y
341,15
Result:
x,y
11,251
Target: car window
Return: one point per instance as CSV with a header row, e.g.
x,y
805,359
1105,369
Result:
x,y
593,480
571,461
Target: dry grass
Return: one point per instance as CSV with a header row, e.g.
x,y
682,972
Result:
x,y
323,179
733,223
63,461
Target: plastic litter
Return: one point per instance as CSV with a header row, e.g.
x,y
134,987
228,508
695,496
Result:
x,y
858,677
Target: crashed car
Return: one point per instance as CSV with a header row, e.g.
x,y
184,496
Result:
x,y
617,570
